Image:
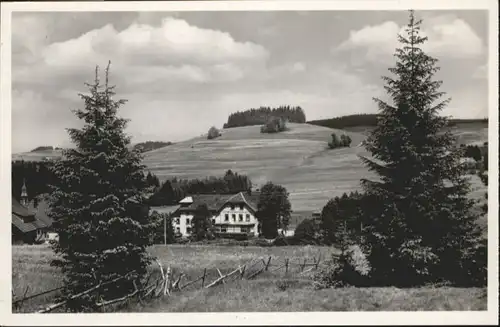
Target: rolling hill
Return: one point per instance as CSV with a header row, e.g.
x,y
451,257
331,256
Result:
x,y
298,159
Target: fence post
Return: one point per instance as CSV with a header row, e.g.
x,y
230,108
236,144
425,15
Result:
x,y
167,282
203,278
304,265
317,263
286,266
268,262
24,295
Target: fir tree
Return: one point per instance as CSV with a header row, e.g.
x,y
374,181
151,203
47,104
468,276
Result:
x,y
422,228
98,204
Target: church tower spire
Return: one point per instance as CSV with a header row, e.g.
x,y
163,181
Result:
x,y
24,194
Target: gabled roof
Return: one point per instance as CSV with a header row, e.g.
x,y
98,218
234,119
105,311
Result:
x,y
187,199
164,209
26,220
215,202
41,211
241,198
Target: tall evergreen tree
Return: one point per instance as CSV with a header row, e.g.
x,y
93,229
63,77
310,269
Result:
x,y
98,203
423,228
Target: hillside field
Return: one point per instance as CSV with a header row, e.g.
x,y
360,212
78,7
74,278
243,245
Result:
x,y
299,159
30,266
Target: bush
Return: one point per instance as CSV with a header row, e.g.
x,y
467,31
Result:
x,y
274,125
350,269
213,132
344,141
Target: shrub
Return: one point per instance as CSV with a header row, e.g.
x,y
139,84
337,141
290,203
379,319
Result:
x,y
213,132
274,125
350,269
344,141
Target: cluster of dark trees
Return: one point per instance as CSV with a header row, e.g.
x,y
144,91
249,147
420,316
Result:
x,y
39,176
370,120
151,145
45,148
213,133
262,115
274,125
36,175
173,190
475,152
344,141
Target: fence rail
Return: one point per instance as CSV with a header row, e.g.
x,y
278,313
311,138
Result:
x,y
167,283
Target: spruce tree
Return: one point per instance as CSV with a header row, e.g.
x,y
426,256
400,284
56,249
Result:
x,y
422,228
98,204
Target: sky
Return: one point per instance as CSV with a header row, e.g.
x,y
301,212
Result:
x,y
183,72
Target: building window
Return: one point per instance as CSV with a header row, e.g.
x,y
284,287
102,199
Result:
x,y
188,230
241,206
232,206
245,229
177,221
223,230
178,229
187,221
234,217
213,221
248,217
241,217
227,217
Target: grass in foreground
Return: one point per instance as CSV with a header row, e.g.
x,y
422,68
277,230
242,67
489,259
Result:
x,y
264,295
30,266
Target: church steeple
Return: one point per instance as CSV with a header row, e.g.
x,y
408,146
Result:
x,y
24,194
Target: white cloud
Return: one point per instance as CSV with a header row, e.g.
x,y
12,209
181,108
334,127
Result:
x,y
173,52
298,67
448,36
174,42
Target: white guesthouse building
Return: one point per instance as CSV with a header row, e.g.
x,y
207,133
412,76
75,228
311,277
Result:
x,y
232,214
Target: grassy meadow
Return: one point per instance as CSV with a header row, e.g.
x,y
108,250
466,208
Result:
x,y
270,291
298,159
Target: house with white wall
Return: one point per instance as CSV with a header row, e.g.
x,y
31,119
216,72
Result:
x,y
232,215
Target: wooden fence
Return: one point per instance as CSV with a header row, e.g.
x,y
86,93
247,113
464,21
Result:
x,y
168,281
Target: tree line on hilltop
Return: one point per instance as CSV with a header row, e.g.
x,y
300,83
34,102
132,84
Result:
x,y
370,120
150,145
261,115
45,148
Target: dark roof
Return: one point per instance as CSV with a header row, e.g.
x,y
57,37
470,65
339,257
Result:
x,y
250,200
26,220
215,202
165,209
41,211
